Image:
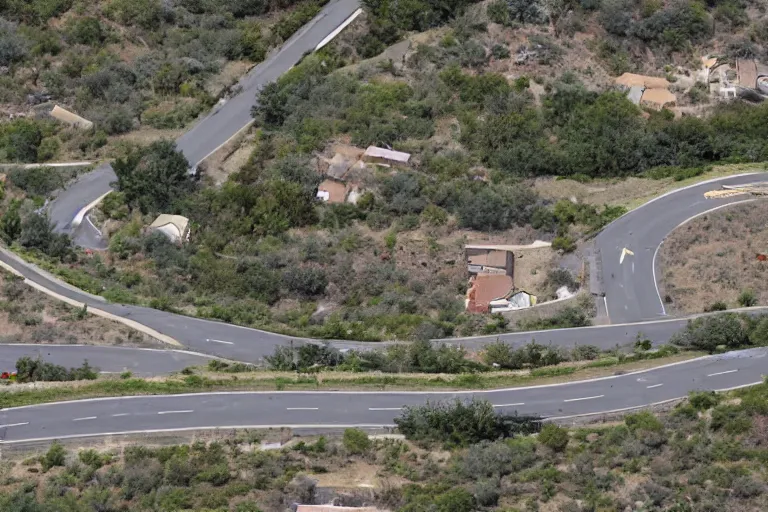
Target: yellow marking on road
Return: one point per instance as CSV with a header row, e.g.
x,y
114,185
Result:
x,y
719,194
625,252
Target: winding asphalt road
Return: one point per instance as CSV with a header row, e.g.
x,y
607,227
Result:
x,y
631,300
631,288
229,410
208,134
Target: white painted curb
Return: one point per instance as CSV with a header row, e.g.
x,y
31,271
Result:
x,y
338,30
84,211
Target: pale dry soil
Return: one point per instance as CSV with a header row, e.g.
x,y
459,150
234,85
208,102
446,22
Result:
x,y
29,316
714,258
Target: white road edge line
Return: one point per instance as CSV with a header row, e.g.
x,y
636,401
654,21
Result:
x,y
88,218
78,219
338,29
686,221
656,281
219,341
509,405
385,408
583,398
14,425
654,386
392,393
632,408
302,408
176,412
722,373
85,419
192,429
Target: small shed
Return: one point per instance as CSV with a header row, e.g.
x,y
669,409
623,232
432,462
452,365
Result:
x,y
175,227
65,116
386,157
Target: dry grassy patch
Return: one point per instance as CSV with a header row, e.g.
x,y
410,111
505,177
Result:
x,y
714,258
28,316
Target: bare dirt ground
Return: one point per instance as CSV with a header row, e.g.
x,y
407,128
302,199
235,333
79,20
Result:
x,y
714,258
28,316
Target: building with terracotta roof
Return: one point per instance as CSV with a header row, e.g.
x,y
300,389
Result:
x,y
491,273
658,98
629,80
486,288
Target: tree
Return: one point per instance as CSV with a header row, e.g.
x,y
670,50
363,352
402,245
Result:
x,y
10,222
13,46
154,177
37,233
20,140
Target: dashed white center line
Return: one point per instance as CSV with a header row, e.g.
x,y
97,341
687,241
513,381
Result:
x,y
583,398
384,408
302,408
121,414
176,412
721,373
654,386
85,419
509,405
219,341
14,425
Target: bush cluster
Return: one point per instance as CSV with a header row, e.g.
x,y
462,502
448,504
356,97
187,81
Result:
x,y
37,370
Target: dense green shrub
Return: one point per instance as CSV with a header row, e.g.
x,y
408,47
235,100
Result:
x,y
36,232
712,332
497,459
37,370
356,441
533,355
20,140
747,299
13,46
55,456
85,30
153,178
553,437
460,423
37,181
305,281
